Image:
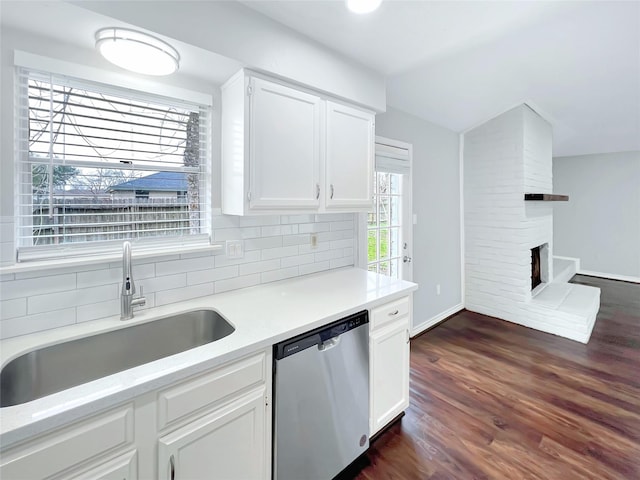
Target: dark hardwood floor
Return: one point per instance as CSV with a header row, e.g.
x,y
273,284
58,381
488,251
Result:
x,y
494,400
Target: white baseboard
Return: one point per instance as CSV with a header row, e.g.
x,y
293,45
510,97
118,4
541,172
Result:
x,y
436,319
610,276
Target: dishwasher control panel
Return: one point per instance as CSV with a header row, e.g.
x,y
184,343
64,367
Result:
x,y
319,335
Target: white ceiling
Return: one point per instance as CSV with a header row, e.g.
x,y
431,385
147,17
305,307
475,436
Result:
x,y
458,64
76,27
454,63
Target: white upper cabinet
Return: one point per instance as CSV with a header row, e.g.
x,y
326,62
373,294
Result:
x,y
349,148
285,149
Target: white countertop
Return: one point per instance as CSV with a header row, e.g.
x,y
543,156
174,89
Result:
x,y
262,316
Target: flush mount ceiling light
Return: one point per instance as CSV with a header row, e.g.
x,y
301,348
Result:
x,y
363,6
137,51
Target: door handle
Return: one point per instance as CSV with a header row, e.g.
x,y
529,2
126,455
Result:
x,y
406,259
172,468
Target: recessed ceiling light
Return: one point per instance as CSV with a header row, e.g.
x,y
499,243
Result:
x,y
363,6
137,51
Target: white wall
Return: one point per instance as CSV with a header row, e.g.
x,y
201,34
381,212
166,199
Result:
x,y
600,224
238,32
276,247
436,201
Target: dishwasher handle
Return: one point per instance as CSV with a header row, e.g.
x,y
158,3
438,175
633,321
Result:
x,y
329,344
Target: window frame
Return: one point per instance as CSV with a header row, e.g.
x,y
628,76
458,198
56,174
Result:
x,y
154,245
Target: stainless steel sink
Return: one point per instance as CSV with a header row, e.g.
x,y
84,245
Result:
x,y
65,365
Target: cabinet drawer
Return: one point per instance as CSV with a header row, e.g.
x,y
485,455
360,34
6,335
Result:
x,y
69,447
389,312
209,389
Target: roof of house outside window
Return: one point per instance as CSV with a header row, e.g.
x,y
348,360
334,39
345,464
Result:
x,y
157,182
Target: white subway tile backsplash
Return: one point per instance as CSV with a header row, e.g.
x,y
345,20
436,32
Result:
x,y
60,271
225,221
16,307
236,233
212,275
308,248
238,282
275,247
330,236
167,282
185,293
275,230
314,267
341,262
7,253
345,243
251,256
259,221
344,225
281,274
184,265
36,286
314,227
329,254
37,323
97,310
279,252
70,298
113,275
258,267
332,217
297,260
304,218
267,242
296,239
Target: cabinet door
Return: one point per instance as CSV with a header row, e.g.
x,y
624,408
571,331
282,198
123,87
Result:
x,y
349,157
228,444
284,147
389,357
120,468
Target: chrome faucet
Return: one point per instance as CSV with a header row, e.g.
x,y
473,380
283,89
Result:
x,y
127,302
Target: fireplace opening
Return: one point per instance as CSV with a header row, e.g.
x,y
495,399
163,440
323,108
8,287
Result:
x,y
539,265
536,274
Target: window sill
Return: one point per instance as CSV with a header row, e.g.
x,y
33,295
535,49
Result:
x,y
97,259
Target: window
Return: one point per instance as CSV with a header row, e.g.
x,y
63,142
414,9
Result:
x,y
384,226
99,164
389,225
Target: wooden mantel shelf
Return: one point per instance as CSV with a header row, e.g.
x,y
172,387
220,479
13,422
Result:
x,y
545,197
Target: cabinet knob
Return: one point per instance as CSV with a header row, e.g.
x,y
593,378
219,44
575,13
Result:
x,y
331,186
317,191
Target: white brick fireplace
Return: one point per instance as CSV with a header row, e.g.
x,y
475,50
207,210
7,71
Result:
x,y
505,158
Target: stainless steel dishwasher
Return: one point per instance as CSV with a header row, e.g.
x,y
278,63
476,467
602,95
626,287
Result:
x,y
321,409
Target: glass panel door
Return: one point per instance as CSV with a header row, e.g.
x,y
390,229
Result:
x,y
385,243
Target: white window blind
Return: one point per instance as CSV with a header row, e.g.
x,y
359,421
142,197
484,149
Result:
x,y
98,164
392,159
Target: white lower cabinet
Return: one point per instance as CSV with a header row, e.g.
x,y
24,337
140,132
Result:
x,y
71,450
389,362
123,467
228,444
214,426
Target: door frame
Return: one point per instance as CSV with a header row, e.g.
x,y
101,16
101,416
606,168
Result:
x,y
407,213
